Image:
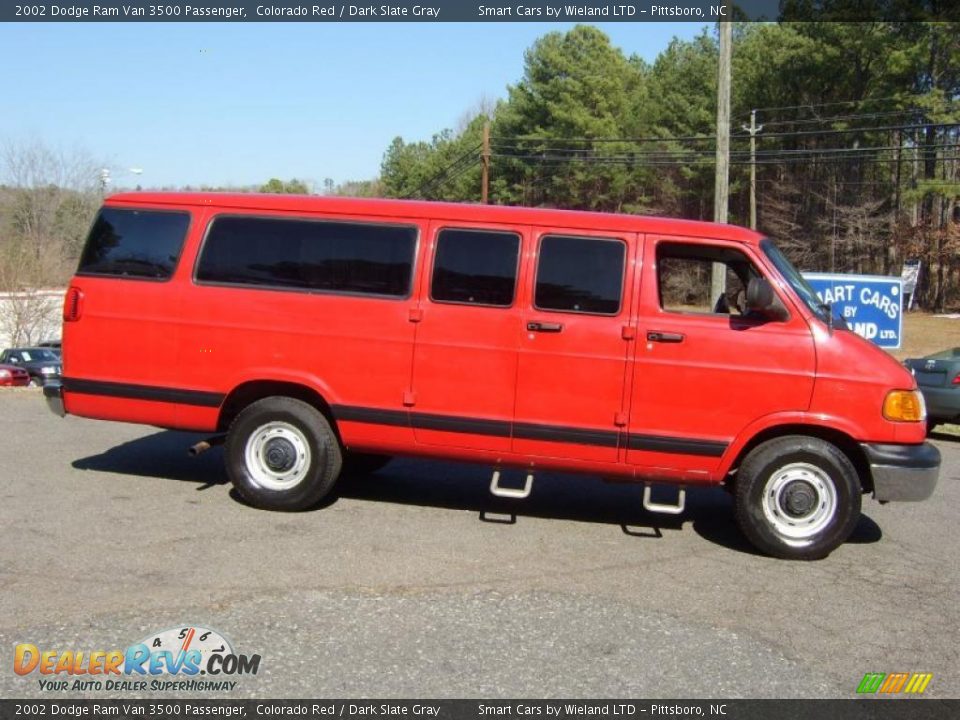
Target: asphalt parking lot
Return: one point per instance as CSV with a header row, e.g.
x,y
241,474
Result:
x,y
415,582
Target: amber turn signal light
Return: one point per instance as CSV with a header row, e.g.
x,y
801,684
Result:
x,y
904,406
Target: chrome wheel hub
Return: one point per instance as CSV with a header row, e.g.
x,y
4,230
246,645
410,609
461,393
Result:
x,y
277,456
799,501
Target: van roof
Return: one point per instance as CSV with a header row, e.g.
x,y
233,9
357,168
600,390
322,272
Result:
x,y
466,212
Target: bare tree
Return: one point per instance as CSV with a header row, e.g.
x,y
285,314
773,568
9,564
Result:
x,y
485,106
27,314
780,218
47,202
859,232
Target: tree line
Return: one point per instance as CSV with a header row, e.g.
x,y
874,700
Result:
x,y
857,151
857,148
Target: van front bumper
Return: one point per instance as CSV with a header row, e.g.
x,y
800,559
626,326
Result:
x,y
53,392
903,472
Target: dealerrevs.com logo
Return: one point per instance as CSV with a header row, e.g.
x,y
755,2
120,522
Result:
x,y
166,661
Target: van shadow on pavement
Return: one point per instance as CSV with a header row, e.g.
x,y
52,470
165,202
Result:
x,y
458,486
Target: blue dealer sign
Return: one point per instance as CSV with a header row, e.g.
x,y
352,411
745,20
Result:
x,y
872,305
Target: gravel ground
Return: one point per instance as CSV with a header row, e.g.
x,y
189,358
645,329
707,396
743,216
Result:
x,y
404,586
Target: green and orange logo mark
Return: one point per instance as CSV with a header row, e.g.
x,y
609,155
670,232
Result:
x,y
892,683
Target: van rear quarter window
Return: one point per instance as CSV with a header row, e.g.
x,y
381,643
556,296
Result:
x,y
134,243
287,253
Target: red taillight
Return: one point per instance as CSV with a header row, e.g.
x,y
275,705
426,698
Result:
x,y
72,305
956,380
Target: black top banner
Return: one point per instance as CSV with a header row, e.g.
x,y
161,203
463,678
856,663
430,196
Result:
x,y
482,11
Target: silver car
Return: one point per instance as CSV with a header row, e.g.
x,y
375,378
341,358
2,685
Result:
x,y
938,377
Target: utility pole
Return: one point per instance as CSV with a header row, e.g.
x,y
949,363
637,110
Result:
x,y
721,194
485,165
753,130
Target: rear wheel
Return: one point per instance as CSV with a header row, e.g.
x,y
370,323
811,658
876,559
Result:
x,y
281,454
797,497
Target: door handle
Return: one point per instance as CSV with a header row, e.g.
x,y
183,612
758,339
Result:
x,y
664,337
550,327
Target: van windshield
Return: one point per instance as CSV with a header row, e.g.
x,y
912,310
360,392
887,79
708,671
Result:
x,y
796,281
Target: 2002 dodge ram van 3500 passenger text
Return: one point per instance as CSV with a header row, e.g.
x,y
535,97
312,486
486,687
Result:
x,y
316,332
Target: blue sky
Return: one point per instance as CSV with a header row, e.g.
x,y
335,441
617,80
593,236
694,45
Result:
x,y
236,104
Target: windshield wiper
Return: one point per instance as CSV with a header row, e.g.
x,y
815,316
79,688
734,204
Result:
x,y
828,309
833,321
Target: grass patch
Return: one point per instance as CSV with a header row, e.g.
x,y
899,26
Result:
x,y
924,334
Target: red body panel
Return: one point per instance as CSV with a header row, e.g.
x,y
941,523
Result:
x,y
414,376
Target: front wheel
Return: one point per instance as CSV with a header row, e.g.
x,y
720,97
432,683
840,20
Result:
x,y
797,497
281,454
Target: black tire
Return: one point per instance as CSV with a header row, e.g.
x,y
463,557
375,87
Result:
x,y
360,464
281,454
797,497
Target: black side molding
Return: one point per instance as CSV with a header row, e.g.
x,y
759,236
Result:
x,y
200,398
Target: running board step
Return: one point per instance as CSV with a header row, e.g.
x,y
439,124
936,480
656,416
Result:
x,y
514,493
651,506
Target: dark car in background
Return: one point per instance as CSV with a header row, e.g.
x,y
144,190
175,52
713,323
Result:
x,y
13,376
938,377
42,364
54,345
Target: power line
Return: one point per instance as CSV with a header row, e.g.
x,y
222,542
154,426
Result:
x,y
584,139
848,131
688,156
840,102
560,143
845,118
706,161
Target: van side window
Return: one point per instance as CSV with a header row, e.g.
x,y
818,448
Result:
x,y
477,267
142,244
309,255
578,274
684,278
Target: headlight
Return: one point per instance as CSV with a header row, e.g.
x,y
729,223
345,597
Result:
x,y
4,373
904,406
47,371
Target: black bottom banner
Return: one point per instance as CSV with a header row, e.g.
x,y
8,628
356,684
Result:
x,y
877,709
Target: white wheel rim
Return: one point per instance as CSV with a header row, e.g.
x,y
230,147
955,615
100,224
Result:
x,y
277,456
799,501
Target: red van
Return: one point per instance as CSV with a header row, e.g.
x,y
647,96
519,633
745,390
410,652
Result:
x,y
311,332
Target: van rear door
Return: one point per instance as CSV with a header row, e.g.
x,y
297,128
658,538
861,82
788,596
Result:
x,y
120,338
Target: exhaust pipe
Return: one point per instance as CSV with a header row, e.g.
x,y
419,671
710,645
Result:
x,y
205,445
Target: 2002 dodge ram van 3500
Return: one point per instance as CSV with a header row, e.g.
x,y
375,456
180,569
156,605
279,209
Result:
x,y
315,332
